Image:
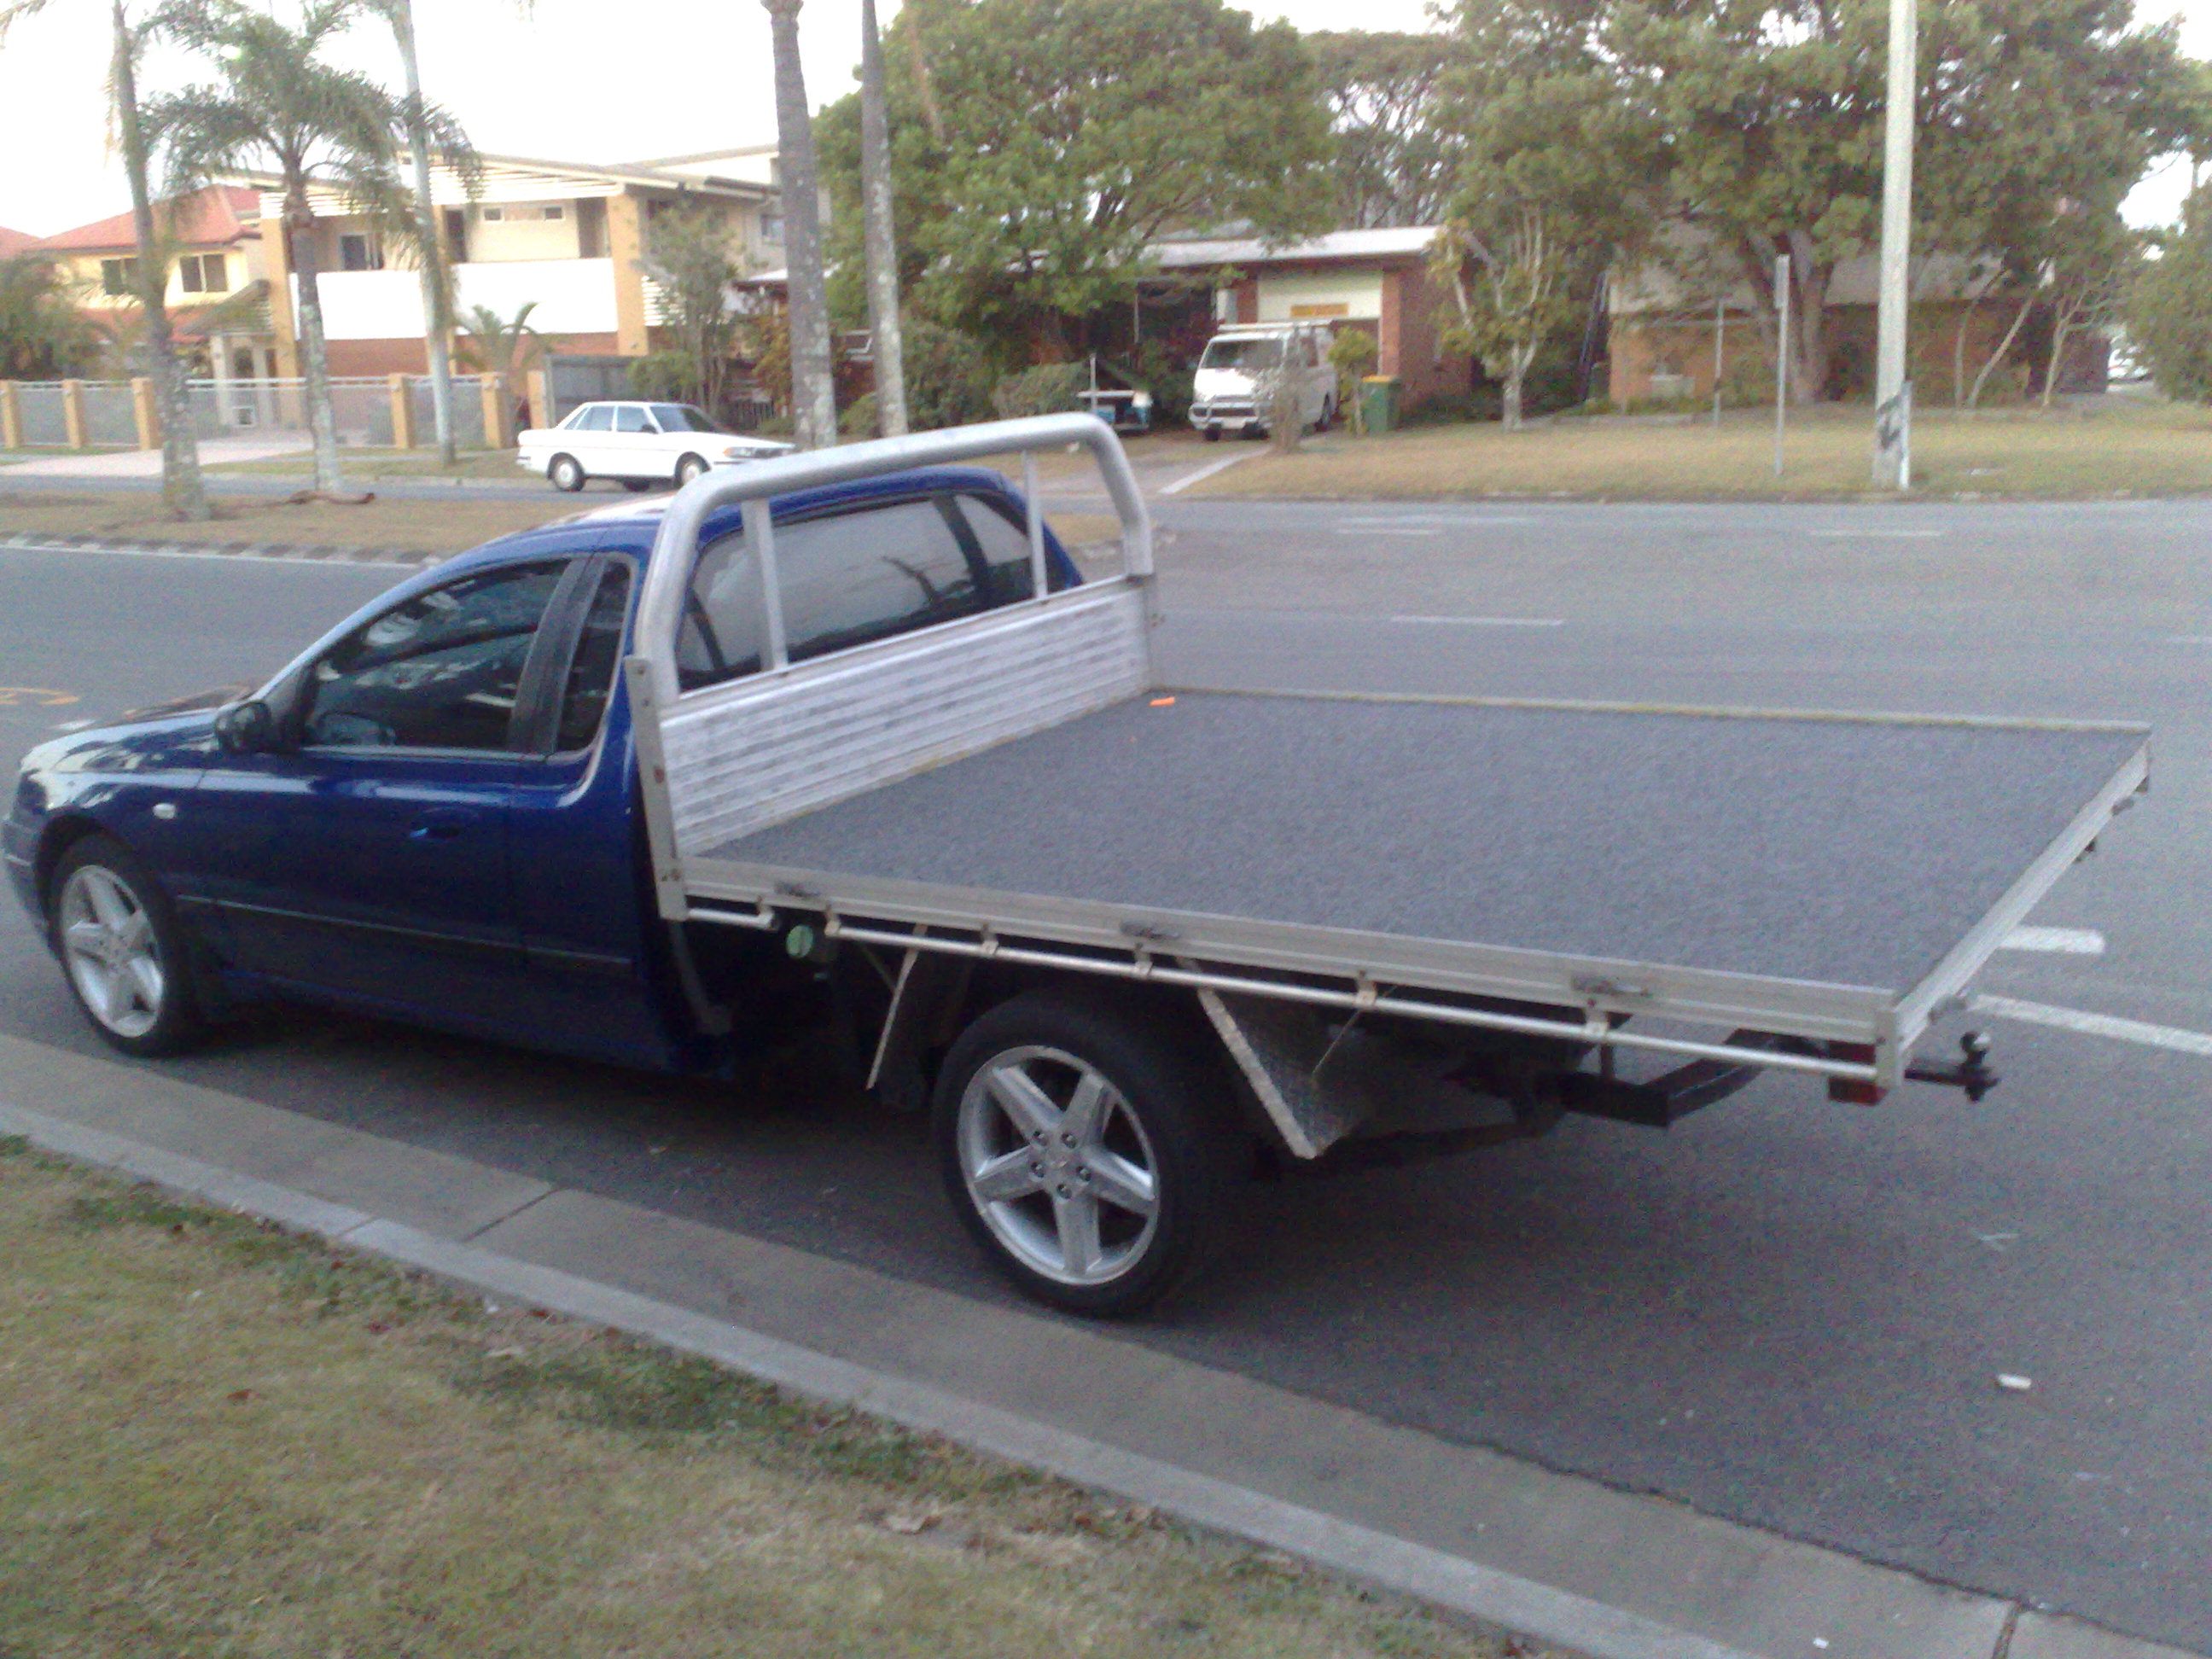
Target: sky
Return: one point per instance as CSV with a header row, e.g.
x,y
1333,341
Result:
x,y
585,80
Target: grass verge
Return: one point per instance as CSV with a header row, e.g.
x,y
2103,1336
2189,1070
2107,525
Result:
x,y
221,1438
2115,450
433,526
370,465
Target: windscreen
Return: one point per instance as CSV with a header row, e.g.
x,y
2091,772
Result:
x,y
1254,352
683,417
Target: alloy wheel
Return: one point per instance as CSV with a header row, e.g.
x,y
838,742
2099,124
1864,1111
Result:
x,y
114,958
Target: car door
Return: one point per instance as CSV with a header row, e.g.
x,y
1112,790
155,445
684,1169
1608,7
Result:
x,y
366,858
590,438
634,449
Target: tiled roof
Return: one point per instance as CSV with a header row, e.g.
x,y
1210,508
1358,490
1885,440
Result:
x,y
13,242
219,213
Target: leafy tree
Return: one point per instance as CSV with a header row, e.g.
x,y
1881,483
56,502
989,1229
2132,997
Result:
x,y
1398,150
325,128
948,381
2086,284
43,335
1351,353
688,256
183,490
2170,312
1072,133
1765,120
813,389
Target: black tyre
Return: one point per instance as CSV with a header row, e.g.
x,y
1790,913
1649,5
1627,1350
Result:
x,y
1088,1147
637,486
122,949
688,468
567,473
1214,435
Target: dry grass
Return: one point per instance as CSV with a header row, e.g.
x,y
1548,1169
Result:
x,y
433,526
2118,449
216,1438
368,464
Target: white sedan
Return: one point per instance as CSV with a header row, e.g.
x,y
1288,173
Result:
x,y
639,444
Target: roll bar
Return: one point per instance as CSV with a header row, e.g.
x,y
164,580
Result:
x,y
753,484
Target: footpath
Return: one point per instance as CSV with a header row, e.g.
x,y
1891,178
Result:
x,y
1563,1560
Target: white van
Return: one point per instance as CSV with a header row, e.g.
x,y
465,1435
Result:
x,y
1233,389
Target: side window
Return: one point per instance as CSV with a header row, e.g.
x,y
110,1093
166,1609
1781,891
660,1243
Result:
x,y
629,418
601,419
847,579
440,672
592,670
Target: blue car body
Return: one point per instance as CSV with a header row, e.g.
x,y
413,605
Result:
x,y
498,894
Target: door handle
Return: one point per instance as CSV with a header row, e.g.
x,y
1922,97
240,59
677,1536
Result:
x,y
440,823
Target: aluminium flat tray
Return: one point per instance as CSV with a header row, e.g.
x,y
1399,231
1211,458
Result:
x,y
1826,875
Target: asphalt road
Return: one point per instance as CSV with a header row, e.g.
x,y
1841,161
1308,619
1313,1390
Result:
x,y
1784,1311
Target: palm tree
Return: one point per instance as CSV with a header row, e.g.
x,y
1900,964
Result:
x,y
43,335
813,396
327,129
184,492
890,348
437,277
501,345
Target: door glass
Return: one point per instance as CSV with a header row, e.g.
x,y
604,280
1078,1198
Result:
x,y
592,670
439,671
629,418
597,418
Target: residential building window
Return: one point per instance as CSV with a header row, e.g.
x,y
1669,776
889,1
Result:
x,y
457,235
493,216
359,252
592,228
772,228
204,273
117,276
554,210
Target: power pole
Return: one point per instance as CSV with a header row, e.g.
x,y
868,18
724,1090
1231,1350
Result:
x,y
888,345
1892,391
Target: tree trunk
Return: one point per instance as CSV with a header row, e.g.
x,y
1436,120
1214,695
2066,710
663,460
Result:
x,y
1809,373
2062,325
184,491
882,247
1959,352
437,306
1974,396
1517,358
813,393
315,353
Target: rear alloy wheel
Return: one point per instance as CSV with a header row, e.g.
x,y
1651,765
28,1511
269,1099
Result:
x,y
1085,1151
122,949
567,473
688,468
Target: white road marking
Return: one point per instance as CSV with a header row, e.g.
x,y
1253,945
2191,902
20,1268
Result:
x,y
1387,530
2191,639
2065,941
1433,521
2103,1025
1207,471
75,726
1484,622
1892,534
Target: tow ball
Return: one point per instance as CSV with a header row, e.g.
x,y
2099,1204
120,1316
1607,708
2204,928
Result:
x,y
1970,1071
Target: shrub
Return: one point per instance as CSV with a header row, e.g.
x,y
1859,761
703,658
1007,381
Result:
x,y
1047,389
947,382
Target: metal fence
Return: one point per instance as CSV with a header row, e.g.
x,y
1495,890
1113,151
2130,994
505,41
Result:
x,y
41,402
361,406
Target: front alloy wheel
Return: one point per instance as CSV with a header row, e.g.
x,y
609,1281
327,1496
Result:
x,y
688,468
567,473
122,949
1087,1146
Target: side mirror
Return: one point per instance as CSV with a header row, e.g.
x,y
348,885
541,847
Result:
x,y
246,728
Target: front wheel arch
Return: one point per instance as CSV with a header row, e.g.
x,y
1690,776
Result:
x,y
60,835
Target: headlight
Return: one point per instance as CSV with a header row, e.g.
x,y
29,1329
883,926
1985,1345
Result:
x,y
1142,400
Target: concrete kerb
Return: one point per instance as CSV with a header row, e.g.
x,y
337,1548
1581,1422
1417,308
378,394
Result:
x,y
1777,1594
280,552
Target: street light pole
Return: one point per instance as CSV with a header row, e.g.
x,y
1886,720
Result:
x,y
1892,391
